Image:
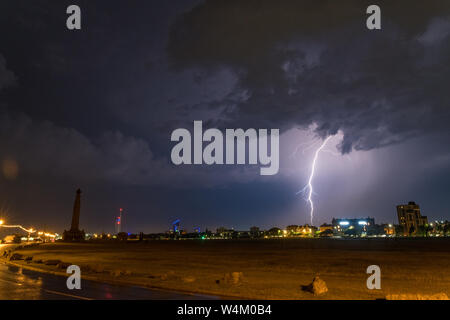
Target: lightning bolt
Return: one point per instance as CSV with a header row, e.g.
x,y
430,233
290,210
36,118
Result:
x,y
309,186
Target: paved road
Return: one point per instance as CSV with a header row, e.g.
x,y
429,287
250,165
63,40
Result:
x,y
18,283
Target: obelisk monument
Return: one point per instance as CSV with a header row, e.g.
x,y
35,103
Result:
x,y
74,234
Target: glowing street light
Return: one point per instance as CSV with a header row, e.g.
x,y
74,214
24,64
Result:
x,y
2,224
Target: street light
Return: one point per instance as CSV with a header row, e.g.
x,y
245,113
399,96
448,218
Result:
x,y
1,222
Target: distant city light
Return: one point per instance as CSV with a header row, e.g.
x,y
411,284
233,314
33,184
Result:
x,y
344,223
362,223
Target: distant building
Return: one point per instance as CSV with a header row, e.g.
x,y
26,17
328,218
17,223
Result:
x,y
326,230
293,229
255,232
347,223
409,217
241,235
305,230
354,226
326,227
389,229
274,232
223,232
308,230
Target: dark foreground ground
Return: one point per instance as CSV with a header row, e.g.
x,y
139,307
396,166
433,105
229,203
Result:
x,y
272,269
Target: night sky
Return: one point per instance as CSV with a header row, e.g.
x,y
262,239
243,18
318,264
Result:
x,y
95,109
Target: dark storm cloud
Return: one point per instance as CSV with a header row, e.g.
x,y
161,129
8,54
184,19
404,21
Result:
x,y
85,103
44,148
7,77
304,62
41,148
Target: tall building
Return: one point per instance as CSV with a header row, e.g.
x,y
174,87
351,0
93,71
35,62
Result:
x,y
410,218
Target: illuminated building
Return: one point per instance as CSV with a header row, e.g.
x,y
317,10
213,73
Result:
x,y
389,229
176,226
293,229
410,218
326,227
305,230
355,226
224,233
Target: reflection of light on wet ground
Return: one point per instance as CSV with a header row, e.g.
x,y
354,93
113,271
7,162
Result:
x,y
22,284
